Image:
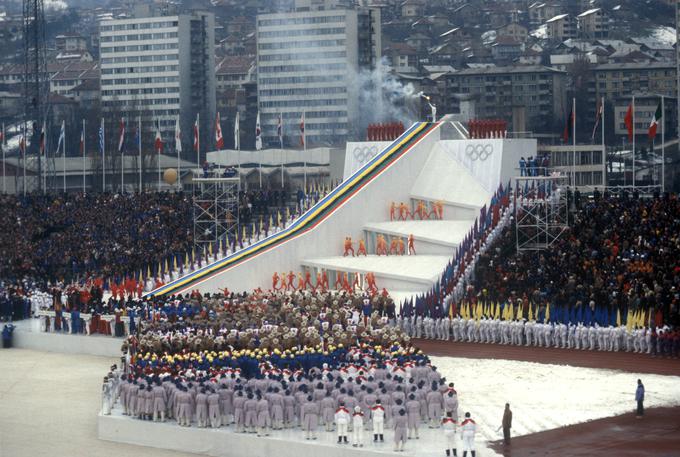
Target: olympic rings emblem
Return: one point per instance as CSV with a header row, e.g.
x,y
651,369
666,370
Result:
x,y
363,154
478,151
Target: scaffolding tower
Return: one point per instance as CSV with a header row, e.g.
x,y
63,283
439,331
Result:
x,y
216,213
36,93
541,210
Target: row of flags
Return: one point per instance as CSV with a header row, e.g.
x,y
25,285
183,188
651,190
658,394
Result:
x,y
158,140
628,120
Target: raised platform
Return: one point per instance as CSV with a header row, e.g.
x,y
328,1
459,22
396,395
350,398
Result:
x,y
416,272
445,233
224,442
28,335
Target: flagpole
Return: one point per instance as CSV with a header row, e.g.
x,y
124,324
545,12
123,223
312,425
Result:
x,y
304,150
178,139
4,174
158,155
663,145
103,156
604,148
63,151
633,142
122,163
139,146
573,139
23,159
83,156
281,146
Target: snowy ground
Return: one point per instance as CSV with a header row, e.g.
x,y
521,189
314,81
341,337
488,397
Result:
x,y
544,397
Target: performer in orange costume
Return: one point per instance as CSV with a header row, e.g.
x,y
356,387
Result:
x,y
275,281
362,248
421,210
411,247
402,248
301,282
348,247
381,245
439,209
338,281
291,280
345,282
393,211
308,281
403,211
282,278
394,246
355,284
370,282
324,281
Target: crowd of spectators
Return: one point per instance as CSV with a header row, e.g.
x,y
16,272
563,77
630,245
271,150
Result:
x,y
619,253
67,237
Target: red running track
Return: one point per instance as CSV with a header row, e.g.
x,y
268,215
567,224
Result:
x,y
624,361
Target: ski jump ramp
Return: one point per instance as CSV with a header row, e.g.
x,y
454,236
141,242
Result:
x,y
419,165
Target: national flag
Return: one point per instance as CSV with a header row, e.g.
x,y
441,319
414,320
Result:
x,y
237,132
121,135
43,131
197,138
22,142
258,133
138,136
62,136
655,122
178,136
219,141
629,122
279,130
566,134
302,129
2,135
101,137
158,142
82,139
598,116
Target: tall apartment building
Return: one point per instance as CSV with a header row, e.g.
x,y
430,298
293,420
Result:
x,y
533,92
308,60
159,66
592,24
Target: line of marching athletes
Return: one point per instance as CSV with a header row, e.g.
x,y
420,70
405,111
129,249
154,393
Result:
x,y
663,341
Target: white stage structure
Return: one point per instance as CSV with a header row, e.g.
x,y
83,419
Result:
x,y
421,165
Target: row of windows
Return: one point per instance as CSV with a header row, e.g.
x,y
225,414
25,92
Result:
x,y
303,103
303,91
150,69
133,112
140,47
302,55
133,59
148,90
566,158
148,80
295,116
296,68
142,26
138,36
303,32
302,79
142,102
300,20
301,44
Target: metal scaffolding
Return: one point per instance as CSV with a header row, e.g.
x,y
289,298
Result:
x,y
216,214
541,211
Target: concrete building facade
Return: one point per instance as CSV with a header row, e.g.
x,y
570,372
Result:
x,y
158,67
309,61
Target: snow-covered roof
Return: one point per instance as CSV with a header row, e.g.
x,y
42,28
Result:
x,y
556,18
589,12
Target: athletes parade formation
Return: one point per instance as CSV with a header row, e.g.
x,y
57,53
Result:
x,y
328,361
